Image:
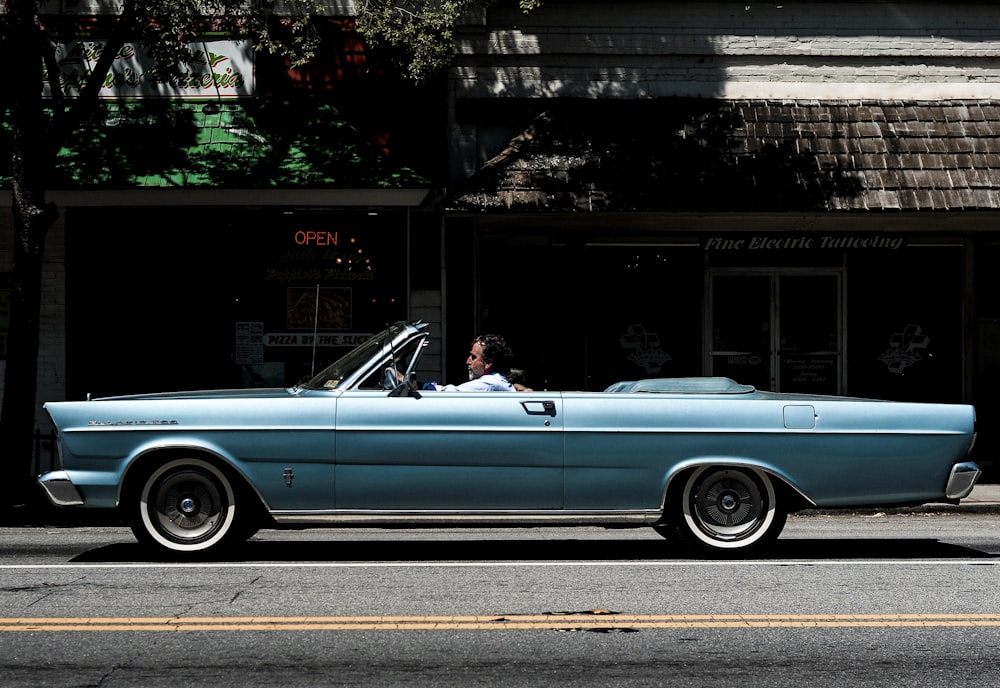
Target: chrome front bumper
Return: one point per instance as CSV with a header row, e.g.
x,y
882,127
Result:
x,y
60,489
962,479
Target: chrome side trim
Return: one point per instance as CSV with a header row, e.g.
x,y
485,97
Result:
x,y
60,489
361,517
962,479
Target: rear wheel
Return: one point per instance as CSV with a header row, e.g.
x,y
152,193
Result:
x,y
186,506
724,509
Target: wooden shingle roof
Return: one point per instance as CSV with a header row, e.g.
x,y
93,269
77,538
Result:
x,y
705,155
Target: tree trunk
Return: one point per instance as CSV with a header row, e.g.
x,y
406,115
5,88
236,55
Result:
x,y
17,418
32,219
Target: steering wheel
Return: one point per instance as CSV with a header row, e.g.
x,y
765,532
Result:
x,y
391,379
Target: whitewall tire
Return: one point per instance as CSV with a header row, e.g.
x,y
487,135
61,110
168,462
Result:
x,y
186,506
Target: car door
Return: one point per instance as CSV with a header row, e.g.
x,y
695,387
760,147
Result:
x,y
445,451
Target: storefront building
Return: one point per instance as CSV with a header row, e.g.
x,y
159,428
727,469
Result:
x,y
242,227
801,197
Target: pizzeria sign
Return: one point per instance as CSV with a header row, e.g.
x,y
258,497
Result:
x,y
213,69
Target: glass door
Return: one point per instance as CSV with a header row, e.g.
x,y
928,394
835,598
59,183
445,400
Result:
x,y
808,347
777,329
742,320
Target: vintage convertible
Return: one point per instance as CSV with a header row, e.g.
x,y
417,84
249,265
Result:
x,y
707,462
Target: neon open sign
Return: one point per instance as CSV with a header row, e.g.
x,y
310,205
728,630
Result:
x,y
309,237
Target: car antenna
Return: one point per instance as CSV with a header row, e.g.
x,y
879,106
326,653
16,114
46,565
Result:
x,y
312,369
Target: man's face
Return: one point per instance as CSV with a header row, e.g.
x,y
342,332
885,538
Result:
x,y
477,366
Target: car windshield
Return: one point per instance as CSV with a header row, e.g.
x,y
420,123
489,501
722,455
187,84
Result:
x,y
346,368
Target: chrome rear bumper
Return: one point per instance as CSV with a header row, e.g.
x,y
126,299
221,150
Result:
x,y
962,479
60,489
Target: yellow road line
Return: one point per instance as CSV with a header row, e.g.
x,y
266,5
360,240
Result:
x,y
581,621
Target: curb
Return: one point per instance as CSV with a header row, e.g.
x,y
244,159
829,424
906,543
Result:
x,y
985,499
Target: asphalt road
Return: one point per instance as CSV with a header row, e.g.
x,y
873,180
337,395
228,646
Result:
x,y
869,599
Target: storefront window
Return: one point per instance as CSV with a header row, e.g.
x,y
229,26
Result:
x,y
905,320
327,281
881,321
644,312
582,316
224,297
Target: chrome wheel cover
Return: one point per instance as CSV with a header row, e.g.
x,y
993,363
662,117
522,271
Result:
x,y
187,505
728,507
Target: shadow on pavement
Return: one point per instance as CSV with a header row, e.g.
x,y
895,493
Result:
x,y
537,551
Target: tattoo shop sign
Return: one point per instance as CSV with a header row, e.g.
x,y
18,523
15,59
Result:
x,y
768,242
212,69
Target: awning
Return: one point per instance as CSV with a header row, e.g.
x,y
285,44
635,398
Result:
x,y
261,152
682,155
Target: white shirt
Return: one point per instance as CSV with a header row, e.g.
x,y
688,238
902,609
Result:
x,y
492,382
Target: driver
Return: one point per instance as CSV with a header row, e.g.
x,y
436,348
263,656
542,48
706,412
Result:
x,y
488,364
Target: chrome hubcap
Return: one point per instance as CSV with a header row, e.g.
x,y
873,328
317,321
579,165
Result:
x,y
188,505
728,502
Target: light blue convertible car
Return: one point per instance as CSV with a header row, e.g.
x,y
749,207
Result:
x,y
707,462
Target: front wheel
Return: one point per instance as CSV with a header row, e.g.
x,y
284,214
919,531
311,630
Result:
x,y
722,509
186,506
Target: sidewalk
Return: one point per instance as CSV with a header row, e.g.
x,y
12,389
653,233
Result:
x,y
982,495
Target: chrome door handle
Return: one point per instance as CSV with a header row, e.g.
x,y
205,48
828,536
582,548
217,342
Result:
x,y
539,408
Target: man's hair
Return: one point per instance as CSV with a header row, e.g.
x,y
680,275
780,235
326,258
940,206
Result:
x,y
495,351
